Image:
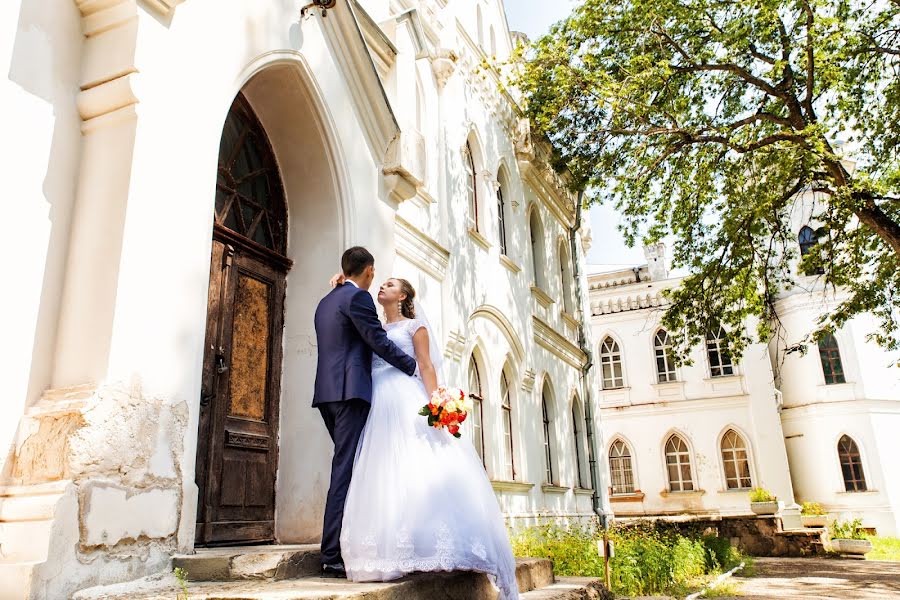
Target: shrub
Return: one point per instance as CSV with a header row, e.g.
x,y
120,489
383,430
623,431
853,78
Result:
x,y
812,509
650,558
761,495
847,530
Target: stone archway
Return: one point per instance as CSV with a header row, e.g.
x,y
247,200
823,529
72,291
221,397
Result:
x,y
283,99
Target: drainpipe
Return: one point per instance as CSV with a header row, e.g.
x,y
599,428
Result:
x,y
585,370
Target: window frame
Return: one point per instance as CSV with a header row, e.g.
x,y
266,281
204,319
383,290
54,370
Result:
x,y
832,356
857,479
509,464
623,466
663,352
735,459
714,344
472,188
688,454
477,408
611,357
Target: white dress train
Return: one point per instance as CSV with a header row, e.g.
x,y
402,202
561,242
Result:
x,y
419,499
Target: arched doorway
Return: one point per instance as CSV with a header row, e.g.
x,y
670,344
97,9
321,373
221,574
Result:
x,y
237,457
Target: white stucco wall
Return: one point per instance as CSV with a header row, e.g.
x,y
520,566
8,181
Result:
x,y
39,55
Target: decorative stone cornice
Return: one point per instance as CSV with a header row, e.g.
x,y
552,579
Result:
x,y
420,249
345,38
456,343
528,380
443,65
549,339
404,165
628,303
164,8
107,68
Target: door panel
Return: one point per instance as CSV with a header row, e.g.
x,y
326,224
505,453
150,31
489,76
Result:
x,y
239,423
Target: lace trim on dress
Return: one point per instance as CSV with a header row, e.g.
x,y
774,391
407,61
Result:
x,y
446,557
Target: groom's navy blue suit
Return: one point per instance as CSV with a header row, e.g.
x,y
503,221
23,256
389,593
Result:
x,y
347,331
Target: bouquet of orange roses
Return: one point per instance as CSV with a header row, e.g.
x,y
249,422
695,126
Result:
x,y
448,408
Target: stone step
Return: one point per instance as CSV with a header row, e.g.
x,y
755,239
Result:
x,y
237,563
571,588
27,508
24,541
446,586
14,580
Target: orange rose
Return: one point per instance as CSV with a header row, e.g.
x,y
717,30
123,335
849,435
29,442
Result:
x,y
461,417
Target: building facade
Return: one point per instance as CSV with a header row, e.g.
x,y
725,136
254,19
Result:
x,y
694,439
189,175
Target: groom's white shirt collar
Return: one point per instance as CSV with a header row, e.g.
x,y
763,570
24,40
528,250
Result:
x,y
351,282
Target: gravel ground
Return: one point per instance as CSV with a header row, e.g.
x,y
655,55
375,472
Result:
x,y
820,579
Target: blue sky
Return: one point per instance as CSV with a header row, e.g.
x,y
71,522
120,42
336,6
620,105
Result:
x,y
534,18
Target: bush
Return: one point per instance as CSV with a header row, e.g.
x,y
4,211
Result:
x,y
847,530
761,495
812,509
649,558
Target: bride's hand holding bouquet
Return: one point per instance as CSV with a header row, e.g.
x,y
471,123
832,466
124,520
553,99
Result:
x,y
447,408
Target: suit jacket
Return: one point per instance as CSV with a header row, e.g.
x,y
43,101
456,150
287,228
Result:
x,y
347,332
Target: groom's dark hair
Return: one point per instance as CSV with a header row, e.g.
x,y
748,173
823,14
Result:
x,y
355,260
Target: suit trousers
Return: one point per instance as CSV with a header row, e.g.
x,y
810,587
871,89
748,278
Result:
x,y
345,421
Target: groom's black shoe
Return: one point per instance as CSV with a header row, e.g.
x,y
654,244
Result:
x,y
335,570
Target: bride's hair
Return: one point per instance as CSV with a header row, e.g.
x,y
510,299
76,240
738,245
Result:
x,y
407,307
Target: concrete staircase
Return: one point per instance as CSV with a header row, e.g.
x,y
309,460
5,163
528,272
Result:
x,y
291,573
26,520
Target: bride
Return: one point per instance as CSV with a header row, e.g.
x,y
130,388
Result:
x,y
419,499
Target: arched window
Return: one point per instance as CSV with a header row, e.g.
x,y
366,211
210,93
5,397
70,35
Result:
x,y
471,187
580,445
537,249
678,465
249,194
509,461
611,365
565,273
808,238
501,211
620,471
665,362
737,464
476,393
717,352
547,413
830,355
851,465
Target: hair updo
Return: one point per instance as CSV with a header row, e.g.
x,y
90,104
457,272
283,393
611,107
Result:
x,y
407,306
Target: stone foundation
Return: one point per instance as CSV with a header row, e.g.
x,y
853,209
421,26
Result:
x,y
753,535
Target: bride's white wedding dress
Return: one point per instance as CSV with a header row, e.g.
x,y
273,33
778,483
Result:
x,y
419,499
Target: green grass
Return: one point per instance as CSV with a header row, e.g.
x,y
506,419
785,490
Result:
x,y
884,548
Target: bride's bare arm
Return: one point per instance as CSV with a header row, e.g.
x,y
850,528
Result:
x,y
423,357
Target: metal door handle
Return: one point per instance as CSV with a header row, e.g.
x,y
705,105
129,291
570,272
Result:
x,y
206,397
221,367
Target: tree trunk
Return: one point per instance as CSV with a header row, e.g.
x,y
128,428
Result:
x,y
883,226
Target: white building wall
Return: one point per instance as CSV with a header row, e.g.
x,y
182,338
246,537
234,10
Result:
x,y
39,55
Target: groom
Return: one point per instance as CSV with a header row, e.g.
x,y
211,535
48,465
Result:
x,y
347,332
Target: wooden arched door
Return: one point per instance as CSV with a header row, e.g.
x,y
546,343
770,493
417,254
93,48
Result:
x,y
237,454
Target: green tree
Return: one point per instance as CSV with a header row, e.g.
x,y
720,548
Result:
x,y
703,120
